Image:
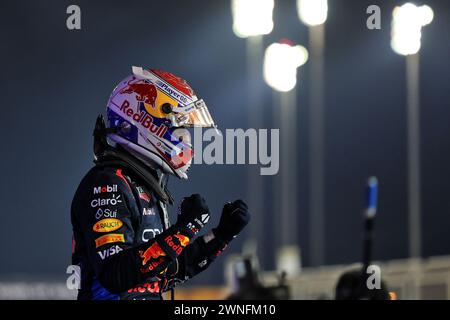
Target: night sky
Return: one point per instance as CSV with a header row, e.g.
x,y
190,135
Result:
x,y
55,82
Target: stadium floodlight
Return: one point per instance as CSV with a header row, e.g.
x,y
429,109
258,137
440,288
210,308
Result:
x,y
252,17
312,12
407,23
281,61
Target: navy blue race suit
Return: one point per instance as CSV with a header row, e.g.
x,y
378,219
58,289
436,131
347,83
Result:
x,y
121,242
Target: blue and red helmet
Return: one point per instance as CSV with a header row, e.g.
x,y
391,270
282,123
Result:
x,y
152,109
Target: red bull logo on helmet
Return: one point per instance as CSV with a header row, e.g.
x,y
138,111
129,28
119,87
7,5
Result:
x,y
144,90
144,119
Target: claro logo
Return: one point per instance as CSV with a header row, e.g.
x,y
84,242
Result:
x,y
107,225
106,202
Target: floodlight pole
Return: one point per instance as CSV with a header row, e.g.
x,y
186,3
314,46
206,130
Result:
x,y
288,167
413,123
413,153
255,185
285,188
316,147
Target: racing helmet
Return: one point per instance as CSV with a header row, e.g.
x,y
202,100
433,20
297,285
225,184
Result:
x,y
149,112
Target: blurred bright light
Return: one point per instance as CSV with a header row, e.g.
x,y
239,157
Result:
x,y
281,61
407,23
252,17
427,14
312,12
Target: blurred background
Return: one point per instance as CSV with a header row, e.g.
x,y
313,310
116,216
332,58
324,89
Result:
x,y
357,108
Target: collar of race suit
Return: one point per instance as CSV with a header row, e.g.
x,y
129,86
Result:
x,y
117,157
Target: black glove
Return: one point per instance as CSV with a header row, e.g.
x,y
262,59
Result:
x,y
235,217
194,214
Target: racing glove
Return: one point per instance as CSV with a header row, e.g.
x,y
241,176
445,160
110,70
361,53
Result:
x,y
235,216
204,250
193,216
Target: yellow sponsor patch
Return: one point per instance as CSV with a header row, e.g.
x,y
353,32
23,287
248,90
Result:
x,y
107,225
109,238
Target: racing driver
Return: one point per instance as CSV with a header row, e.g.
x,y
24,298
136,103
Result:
x,y
123,241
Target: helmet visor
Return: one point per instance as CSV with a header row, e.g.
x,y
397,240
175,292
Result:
x,y
195,114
